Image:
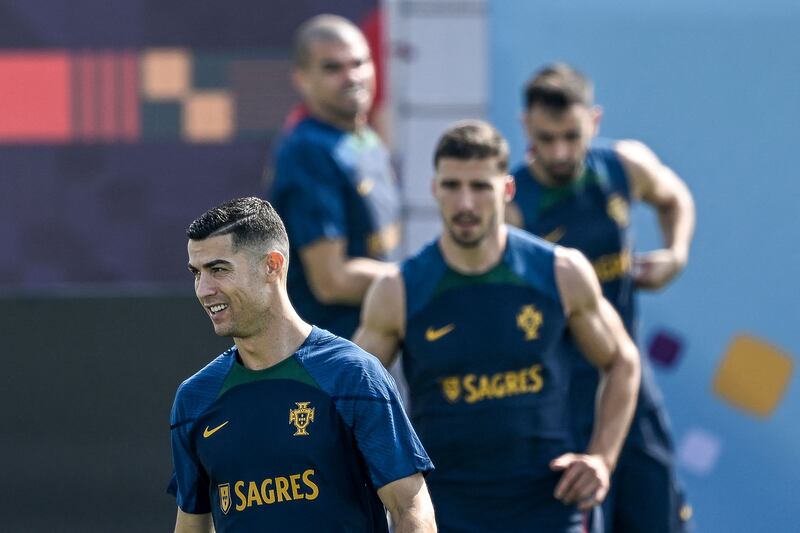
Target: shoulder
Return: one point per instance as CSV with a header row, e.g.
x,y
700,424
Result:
x,y
634,153
201,389
421,274
532,259
575,277
526,249
339,366
388,288
307,137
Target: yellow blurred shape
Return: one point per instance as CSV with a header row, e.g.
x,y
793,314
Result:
x,y
753,375
208,116
166,73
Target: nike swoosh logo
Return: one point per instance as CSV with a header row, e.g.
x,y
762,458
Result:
x,y
208,432
555,235
432,334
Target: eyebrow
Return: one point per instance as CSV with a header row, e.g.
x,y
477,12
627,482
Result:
x,y
210,264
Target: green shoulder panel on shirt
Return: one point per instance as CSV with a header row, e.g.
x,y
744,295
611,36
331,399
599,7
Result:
x,y
501,274
289,368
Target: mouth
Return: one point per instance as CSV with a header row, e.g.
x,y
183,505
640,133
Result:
x,y
357,92
216,308
466,221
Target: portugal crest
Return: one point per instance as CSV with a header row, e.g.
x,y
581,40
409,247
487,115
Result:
x,y
225,497
451,388
617,210
529,319
301,417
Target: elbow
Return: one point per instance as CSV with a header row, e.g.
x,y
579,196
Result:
x,y
626,366
632,365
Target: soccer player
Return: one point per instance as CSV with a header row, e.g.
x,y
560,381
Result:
x,y
334,186
576,191
292,428
480,313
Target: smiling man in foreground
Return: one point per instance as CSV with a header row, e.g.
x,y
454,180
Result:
x,y
292,426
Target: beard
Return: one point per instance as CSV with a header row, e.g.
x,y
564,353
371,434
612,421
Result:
x,y
563,173
475,239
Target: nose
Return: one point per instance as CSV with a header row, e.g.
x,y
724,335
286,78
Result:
x,y
561,150
354,74
466,201
204,286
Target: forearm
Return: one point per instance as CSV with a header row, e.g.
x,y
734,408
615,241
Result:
x,y
417,518
676,218
349,285
193,523
616,403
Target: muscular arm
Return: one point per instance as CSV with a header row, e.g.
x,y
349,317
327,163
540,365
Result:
x,y
335,278
602,338
193,523
409,504
383,318
656,184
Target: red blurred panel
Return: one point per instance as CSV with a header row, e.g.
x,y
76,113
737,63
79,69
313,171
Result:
x,y
35,97
131,126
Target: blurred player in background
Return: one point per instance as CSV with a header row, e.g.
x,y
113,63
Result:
x,y
480,313
292,428
334,185
576,191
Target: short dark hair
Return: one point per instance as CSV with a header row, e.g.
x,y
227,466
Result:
x,y
472,139
252,221
557,87
322,28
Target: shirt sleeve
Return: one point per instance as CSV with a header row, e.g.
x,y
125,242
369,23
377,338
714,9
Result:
x,y
312,199
189,483
383,432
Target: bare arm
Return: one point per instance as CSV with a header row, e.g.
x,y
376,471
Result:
x,y
600,334
193,523
383,318
409,504
335,278
656,184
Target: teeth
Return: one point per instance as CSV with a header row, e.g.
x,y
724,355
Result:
x,y
217,308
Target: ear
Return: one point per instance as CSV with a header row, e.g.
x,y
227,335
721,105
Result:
x,y
510,188
597,115
274,262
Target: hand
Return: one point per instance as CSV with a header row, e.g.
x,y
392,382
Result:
x,y
585,480
653,270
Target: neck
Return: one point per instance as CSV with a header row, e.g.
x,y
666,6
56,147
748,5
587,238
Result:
x,y
351,124
477,259
282,335
543,177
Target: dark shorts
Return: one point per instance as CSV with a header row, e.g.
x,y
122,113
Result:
x,y
645,497
511,507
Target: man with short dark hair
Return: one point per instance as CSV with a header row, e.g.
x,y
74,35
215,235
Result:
x,y
334,185
293,426
480,314
576,190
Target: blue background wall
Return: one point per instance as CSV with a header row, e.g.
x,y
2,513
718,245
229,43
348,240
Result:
x,y
713,88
